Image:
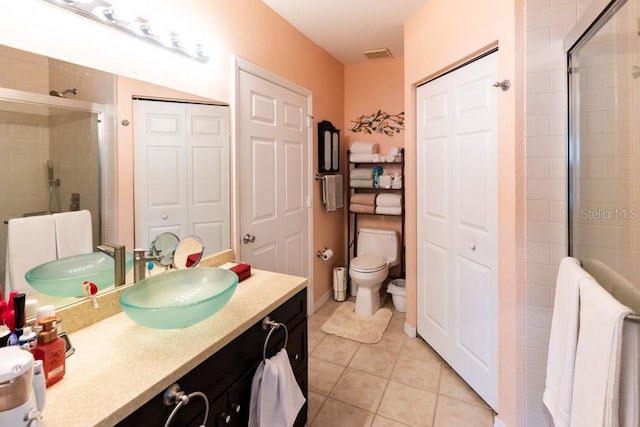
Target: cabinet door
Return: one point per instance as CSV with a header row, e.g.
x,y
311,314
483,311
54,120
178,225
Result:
x,y
239,400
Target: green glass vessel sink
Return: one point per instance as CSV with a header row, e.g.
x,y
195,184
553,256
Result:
x,y
64,277
178,298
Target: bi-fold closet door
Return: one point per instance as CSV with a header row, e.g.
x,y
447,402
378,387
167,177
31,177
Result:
x,y
457,222
181,170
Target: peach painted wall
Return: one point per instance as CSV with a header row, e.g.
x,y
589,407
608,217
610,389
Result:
x,y
245,28
442,34
369,86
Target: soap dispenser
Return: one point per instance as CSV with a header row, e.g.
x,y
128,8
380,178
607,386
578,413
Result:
x,y
51,350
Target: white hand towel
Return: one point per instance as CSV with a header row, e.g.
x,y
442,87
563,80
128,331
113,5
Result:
x,y
596,383
31,241
74,235
361,147
276,397
388,199
563,341
630,376
332,192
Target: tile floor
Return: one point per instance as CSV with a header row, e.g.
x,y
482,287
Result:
x,y
399,381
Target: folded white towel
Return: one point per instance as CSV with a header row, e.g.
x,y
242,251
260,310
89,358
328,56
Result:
x,y
630,376
563,341
332,192
74,235
389,210
361,183
390,200
276,397
361,147
363,158
31,241
361,173
596,384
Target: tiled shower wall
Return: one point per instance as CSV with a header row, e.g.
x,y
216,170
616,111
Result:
x,y
547,24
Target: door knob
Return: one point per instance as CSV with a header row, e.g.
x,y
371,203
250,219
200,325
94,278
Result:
x,y
248,238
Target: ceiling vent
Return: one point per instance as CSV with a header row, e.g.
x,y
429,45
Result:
x,y
378,53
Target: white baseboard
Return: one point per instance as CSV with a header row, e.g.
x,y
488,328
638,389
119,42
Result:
x,y
322,300
497,422
411,332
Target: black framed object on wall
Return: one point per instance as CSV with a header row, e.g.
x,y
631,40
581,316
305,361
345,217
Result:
x,y
328,147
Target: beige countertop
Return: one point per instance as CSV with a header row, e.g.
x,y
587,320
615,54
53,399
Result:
x,y
119,365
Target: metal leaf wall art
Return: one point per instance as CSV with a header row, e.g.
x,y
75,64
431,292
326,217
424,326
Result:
x,y
380,122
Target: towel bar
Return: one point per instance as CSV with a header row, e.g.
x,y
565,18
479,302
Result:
x,y
272,325
632,318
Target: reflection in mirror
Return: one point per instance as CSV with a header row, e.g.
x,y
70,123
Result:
x,y
188,252
163,248
37,74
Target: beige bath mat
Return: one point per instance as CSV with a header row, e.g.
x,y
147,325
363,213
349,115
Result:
x,y
366,329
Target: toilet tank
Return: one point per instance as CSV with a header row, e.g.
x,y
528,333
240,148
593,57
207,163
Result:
x,y
379,242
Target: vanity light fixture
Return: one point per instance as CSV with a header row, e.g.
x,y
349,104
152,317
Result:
x,y
106,13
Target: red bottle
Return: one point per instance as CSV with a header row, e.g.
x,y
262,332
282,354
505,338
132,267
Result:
x,y
51,350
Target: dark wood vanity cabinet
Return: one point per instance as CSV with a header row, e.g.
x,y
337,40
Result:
x,y
225,377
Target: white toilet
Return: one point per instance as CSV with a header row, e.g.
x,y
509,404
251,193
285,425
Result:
x,y
378,250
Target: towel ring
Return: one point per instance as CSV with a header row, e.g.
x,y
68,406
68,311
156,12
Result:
x,y
267,323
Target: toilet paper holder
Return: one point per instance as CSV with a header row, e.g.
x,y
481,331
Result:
x,y
324,253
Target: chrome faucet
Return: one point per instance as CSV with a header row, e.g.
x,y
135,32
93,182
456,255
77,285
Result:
x,y
140,259
117,253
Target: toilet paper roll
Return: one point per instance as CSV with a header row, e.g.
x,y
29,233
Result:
x,y
326,254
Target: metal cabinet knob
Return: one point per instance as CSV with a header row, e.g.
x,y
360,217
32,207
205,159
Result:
x,y
472,246
226,418
164,216
248,238
236,407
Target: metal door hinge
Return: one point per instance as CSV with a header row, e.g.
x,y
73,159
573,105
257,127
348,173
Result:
x,y
504,85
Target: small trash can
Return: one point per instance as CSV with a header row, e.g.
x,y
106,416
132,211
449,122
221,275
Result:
x,y
339,283
398,292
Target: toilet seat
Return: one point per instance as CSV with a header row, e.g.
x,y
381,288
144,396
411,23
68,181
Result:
x,y
368,263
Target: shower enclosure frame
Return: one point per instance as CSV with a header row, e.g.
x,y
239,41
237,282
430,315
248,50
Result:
x,y
596,41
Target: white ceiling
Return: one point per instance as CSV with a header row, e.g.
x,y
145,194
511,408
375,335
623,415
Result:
x,y
347,28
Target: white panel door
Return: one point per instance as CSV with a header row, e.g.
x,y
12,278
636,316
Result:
x,y
181,173
457,222
207,156
159,170
273,176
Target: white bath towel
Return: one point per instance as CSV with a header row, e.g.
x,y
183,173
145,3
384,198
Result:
x,y
362,147
363,158
361,173
390,200
361,183
276,397
596,383
31,241
630,376
389,210
563,341
74,235
332,192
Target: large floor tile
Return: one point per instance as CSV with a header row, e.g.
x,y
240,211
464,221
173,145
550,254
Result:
x,y
417,372
338,414
452,385
335,349
359,389
407,404
381,421
315,403
323,375
417,347
455,413
374,361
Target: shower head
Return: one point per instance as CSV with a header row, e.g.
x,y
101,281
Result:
x,y
635,71
63,93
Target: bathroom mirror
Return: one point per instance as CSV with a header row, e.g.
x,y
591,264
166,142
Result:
x,y
37,74
188,252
